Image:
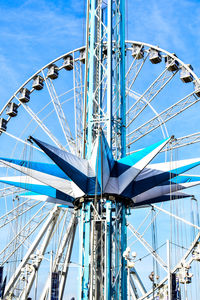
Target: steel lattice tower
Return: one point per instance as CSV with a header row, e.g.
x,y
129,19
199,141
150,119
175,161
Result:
x,y
103,219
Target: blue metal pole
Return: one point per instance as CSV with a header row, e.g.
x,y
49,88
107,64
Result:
x,y
108,286
101,29
123,248
117,252
90,80
122,79
109,75
81,256
86,250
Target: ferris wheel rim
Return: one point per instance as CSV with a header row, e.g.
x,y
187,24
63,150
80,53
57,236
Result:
x,y
150,46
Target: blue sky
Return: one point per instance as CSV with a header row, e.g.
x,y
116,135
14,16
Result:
x,y
33,33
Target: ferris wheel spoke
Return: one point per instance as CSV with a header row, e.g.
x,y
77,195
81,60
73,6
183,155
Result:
x,y
4,219
22,235
62,258
59,112
78,103
47,116
148,247
67,262
132,65
46,232
41,124
165,116
6,215
9,191
176,217
36,262
22,141
183,141
147,227
134,72
178,265
151,92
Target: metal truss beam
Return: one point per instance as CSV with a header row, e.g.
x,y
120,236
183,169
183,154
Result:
x,y
33,267
148,247
183,141
60,114
17,212
104,274
105,69
53,215
78,104
41,124
21,237
62,258
152,91
165,116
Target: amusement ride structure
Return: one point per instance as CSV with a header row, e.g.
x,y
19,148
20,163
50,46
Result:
x,y
84,160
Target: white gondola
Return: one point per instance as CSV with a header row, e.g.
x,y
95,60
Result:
x,y
68,63
197,88
155,56
82,56
185,75
137,51
38,82
52,72
171,63
24,95
3,124
12,109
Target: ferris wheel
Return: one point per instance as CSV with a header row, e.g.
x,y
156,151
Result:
x,y
39,255
50,105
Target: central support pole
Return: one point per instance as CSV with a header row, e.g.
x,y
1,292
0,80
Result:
x,y
104,274
105,104
103,217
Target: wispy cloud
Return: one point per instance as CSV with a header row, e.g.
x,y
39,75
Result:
x,y
173,25
33,34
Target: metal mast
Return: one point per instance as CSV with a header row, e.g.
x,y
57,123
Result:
x,y
105,75
103,218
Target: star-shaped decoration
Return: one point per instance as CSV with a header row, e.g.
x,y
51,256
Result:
x,y
132,179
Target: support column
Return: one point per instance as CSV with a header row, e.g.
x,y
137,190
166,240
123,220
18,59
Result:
x,y
123,248
108,251
103,229
86,211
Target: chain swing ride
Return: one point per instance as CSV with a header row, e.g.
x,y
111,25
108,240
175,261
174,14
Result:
x,y
79,163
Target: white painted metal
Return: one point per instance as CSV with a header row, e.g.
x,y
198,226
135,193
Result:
x,y
151,92
176,217
52,216
169,270
60,113
67,259
38,257
22,141
15,216
148,247
42,125
188,252
9,191
66,243
135,69
165,115
23,235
